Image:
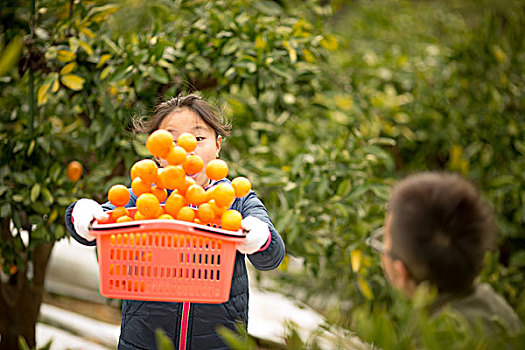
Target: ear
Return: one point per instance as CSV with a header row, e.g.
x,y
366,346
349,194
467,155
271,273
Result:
x,y
403,281
218,144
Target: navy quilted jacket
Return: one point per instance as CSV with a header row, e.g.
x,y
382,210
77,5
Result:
x,y
192,325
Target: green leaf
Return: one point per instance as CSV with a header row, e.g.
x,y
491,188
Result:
x,y
68,68
48,197
42,94
344,188
158,74
364,287
5,210
104,136
22,344
120,73
65,55
9,56
86,47
35,192
162,340
72,81
269,8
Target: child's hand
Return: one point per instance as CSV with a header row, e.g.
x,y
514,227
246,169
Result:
x,y
258,234
84,212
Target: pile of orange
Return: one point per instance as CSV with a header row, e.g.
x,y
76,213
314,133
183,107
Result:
x,y
187,201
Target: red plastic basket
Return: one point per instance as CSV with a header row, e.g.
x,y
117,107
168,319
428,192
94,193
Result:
x,y
165,260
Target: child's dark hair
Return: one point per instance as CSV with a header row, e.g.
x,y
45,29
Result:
x,y
441,228
209,114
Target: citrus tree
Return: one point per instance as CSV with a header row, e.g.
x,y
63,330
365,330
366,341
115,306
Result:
x,y
440,81
86,67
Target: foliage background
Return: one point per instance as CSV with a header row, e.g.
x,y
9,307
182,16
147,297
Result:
x,y
331,103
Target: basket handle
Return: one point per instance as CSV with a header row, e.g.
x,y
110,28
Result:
x,y
112,227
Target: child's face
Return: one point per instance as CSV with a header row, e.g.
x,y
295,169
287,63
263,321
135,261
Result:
x,y
208,144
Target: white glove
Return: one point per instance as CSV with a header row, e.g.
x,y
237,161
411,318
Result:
x,y
257,235
84,212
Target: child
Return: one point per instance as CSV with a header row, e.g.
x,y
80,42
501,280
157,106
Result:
x,y
190,325
437,229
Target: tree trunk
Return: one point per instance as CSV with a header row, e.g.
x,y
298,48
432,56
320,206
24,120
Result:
x,y
20,300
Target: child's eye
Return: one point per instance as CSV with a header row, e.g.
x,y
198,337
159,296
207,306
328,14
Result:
x,y
200,138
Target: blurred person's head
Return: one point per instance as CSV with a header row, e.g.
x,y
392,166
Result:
x,y
437,229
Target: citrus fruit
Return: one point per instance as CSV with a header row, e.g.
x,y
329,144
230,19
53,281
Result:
x,y
192,164
209,193
74,171
138,216
170,176
218,210
159,143
124,218
224,194
183,186
139,187
176,155
174,203
148,205
118,195
147,170
231,220
159,192
118,212
186,214
205,213
165,217
134,171
242,186
187,141
195,195
216,169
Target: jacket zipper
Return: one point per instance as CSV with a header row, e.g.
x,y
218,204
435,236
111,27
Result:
x,y
184,325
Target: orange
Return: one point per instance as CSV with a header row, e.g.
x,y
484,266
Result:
x,y
118,212
138,216
174,203
217,169
139,187
159,192
218,210
74,171
118,195
231,220
195,195
192,164
159,143
165,217
176,155
148,205
209,193
187,141
124,218
242,186
188,181
147,170
134,171
205,213
224,194
186,214
170,176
